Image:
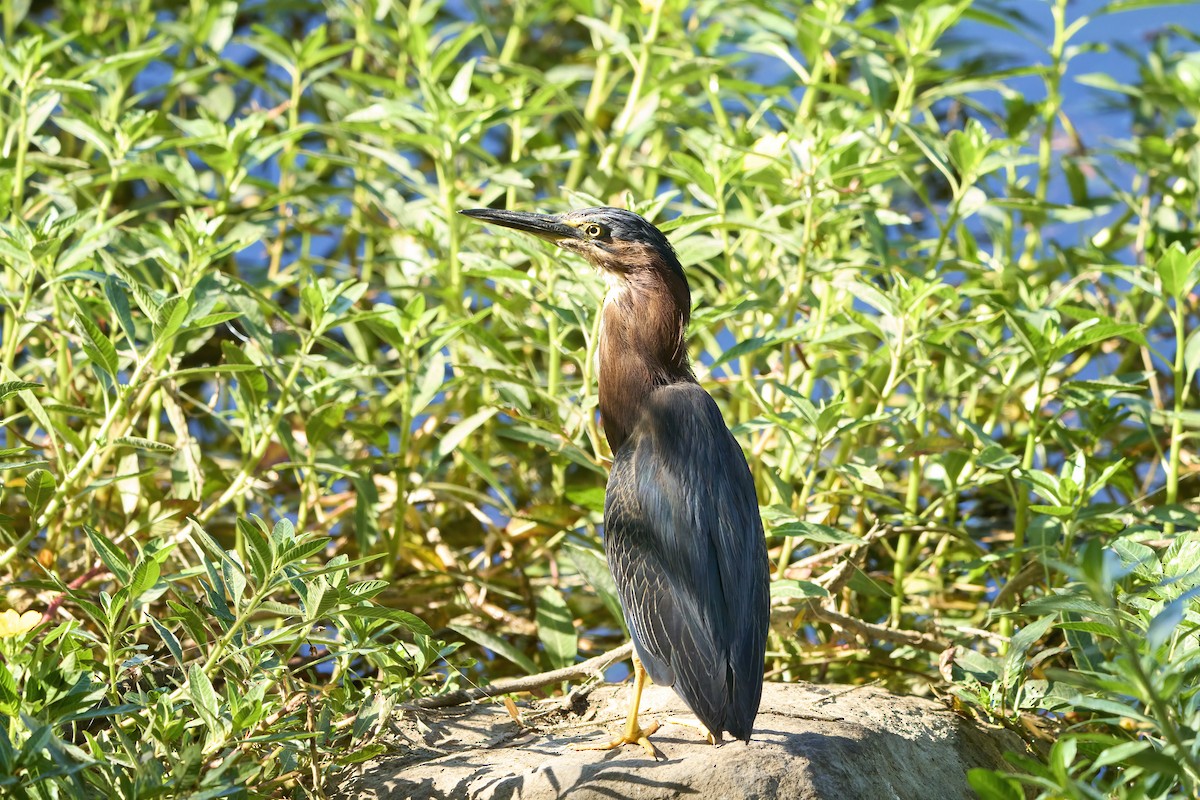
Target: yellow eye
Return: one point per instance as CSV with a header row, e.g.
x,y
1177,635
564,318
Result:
x,y
593,231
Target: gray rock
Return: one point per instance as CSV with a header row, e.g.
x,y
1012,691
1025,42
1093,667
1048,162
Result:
x,y
809,741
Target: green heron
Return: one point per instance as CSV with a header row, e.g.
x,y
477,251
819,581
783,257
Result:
x,y
682,531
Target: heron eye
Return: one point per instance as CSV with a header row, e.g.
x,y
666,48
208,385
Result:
x,y
593,231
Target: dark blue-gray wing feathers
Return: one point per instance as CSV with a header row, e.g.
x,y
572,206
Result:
x,y
685,545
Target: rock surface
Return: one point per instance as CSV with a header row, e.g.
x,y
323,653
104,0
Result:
x,y
811,742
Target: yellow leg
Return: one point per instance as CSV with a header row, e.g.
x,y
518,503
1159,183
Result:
x,y
634,733
690,722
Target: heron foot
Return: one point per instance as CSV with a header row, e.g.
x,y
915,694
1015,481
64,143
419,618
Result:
x,y
634,734
692,722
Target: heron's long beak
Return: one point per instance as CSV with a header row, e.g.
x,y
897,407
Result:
x,y
544,226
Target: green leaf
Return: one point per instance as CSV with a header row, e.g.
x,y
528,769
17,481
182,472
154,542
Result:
x,y
1155,761
204,698
235,581
786,588
408,620
866,473
111,555
207,542
42,104
145,575
301,551
101,712
87,130
312,302
9,388
455,436
251,381
259,550
742,348
1173,268
1101,80
813,532
1043,483
1098,628
967,148
590,497
170,317
38,412
1054,511
208,320
1166,621
100,351
279,609
138,443
39,488
1065,602
361,754
867,293
169,639
325,424
118,301
364,590
594,569
555,628
1030,335
283,533
992,785
8,693
1120,753
497,646
862,583
1093,331
433,377
995,457
1024,639
460,87
879,78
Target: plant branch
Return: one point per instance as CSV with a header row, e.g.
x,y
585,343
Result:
x,y
584,669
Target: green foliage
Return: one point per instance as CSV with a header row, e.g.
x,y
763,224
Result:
x,y
235,287
227,701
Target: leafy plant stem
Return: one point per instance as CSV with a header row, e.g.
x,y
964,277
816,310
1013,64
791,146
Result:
x,y
1021,500
835,15
911,506
640,72
1181,393
266,436
14,315
120,415
1163,716
789,542
10,21
595,101
218,652
1051,106
445,187
400,474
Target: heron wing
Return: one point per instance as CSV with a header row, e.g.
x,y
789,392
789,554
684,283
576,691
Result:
x,y
685,545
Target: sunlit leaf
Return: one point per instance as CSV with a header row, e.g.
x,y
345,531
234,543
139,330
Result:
x,y
555,628
39,488
497,646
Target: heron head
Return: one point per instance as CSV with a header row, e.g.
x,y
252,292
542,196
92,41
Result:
x,y
617,241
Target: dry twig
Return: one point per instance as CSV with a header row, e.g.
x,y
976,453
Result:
x,y
869,630
584,669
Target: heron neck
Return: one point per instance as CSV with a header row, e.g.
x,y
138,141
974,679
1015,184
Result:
x,y
642,347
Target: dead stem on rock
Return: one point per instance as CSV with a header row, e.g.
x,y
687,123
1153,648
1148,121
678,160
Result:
x,y
591,668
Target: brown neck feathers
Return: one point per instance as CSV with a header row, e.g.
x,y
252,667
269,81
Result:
x,y
642,345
